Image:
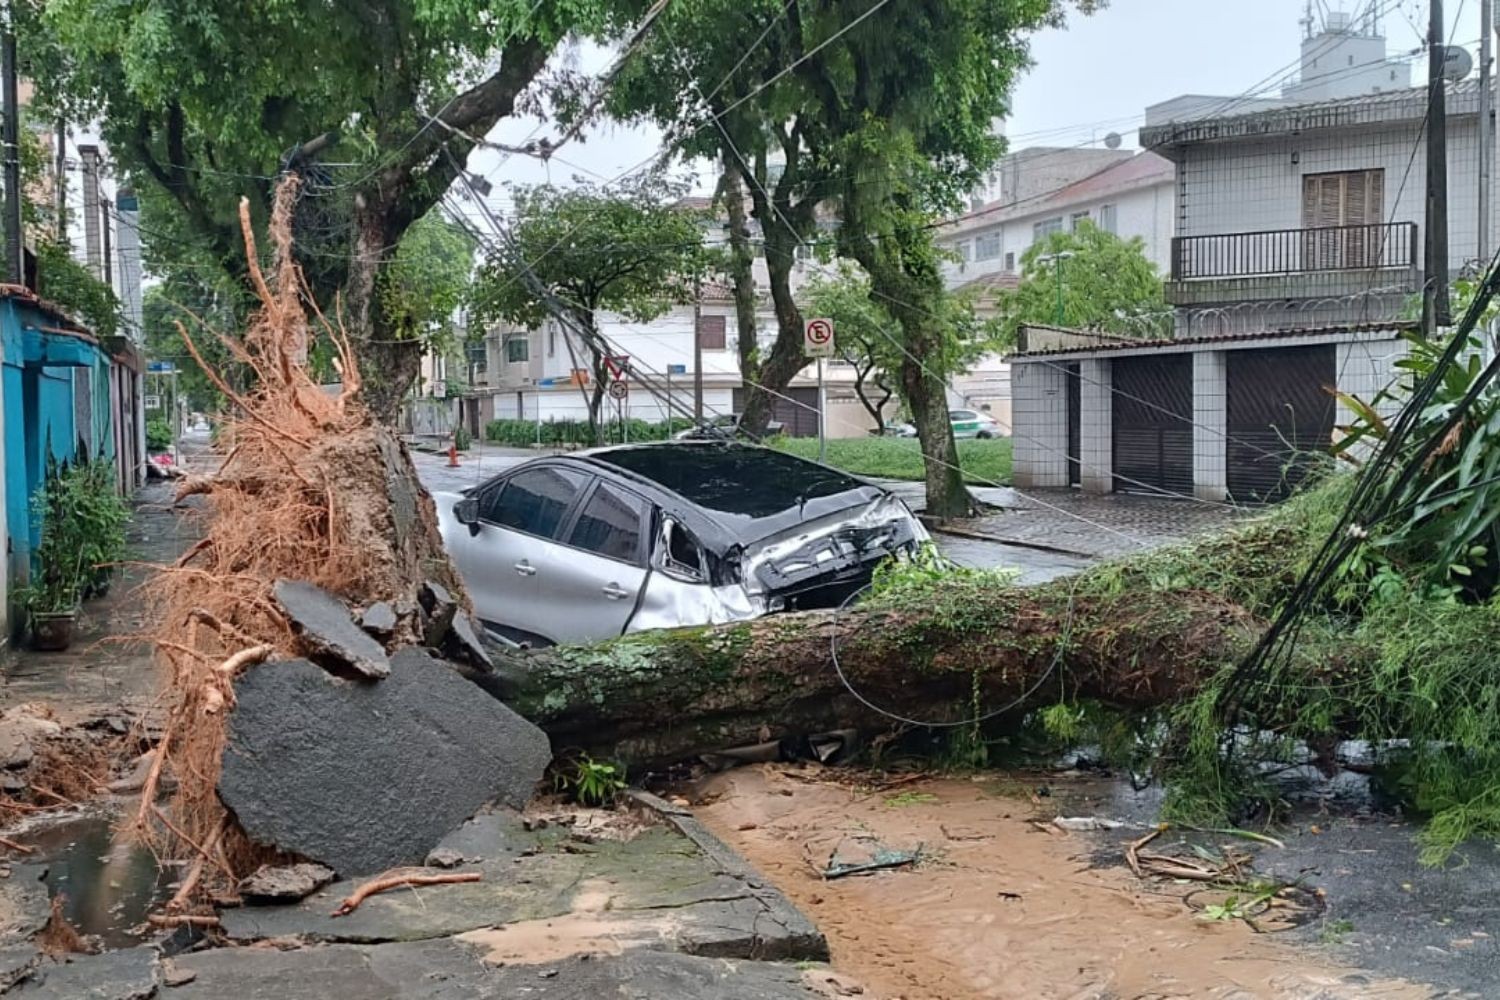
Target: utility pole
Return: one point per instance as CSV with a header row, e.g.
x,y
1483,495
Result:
x,y
60,181
1486,126
104,229
88,156
15,261
698,351
1435,309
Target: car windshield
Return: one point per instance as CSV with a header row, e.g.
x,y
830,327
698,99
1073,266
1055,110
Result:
x,y
962,415
733,479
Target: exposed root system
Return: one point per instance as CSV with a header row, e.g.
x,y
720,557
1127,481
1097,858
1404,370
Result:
x,y
310,488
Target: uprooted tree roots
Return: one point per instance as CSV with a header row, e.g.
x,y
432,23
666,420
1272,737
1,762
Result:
x,y
310,488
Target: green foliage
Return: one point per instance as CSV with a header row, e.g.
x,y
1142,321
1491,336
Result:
x,y
1107,284
1442,540
428,279
63,280
985,462
592,782
83,522
633,251
897,579
577,433
158,434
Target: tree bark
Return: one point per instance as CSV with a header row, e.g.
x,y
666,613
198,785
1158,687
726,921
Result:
x,y
388,364
742,275
972,649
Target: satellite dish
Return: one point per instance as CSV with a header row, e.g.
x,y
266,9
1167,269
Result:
x,y
1112,141
1457,63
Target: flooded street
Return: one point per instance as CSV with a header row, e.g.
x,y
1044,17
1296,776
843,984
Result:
x,y
1000,906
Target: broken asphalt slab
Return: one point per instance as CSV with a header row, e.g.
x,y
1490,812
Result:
x,y
449,970
365,777
273,884
328,630
130,974
658,890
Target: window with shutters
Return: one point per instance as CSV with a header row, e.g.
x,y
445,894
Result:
x,y
1344,212
711,333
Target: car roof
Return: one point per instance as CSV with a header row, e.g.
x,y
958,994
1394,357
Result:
x,y
743,492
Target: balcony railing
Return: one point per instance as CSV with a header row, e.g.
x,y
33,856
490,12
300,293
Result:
x,y
1295,251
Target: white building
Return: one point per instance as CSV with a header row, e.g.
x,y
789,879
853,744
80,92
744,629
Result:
x,y
1129,194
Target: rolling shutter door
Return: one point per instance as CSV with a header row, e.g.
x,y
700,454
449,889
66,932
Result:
x,y
1280,419
1152,410
1075,425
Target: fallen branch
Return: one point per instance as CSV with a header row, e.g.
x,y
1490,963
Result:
x,y
20,848
1131,858
184,892
389,881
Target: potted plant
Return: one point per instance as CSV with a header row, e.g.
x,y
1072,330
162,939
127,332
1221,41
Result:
x,y
83,536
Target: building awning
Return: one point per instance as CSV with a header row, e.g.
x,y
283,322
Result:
x,y
1228,342
52,347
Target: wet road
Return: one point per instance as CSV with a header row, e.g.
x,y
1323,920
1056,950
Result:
x,y
1035,566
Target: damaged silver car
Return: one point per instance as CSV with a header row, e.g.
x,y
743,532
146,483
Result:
x,y
583,547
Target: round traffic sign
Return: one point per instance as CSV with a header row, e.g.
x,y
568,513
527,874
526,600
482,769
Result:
x,y
618,389
819,331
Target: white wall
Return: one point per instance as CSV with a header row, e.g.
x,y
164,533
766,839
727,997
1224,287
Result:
x,y
1245,186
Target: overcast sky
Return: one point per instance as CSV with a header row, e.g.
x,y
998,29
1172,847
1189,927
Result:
x,y
1092,77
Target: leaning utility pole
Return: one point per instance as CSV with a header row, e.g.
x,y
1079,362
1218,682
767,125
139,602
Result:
x,y
698,352
15,261
60,181
1435,309
1486,126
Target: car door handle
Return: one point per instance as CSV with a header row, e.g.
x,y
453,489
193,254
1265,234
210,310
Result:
x,y
525,568
615,592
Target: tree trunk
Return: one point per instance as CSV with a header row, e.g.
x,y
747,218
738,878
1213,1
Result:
x,y
388,364
947,497
742,276
971,649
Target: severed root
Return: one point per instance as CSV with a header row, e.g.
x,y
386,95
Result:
x,y
245,658
182,920
9,844
397,881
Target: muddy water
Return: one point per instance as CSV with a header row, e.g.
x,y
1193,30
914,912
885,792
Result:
x,y
109,884
1002,908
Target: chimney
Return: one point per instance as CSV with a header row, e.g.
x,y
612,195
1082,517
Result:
x,y
92,210
128,248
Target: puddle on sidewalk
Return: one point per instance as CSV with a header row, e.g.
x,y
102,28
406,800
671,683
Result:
x,y
1000,907
110,884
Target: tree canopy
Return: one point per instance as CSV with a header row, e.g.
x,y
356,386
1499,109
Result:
x,y
206,101
1107,284
636,252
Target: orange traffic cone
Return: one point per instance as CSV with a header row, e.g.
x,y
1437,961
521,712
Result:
x,y
453,456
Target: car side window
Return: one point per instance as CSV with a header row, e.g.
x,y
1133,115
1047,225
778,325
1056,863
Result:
x,y
610,524
533,501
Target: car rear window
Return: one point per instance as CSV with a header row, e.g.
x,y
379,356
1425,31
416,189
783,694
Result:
x,y
732,479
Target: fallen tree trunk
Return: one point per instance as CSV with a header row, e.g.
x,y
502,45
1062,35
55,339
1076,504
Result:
x,y
960,649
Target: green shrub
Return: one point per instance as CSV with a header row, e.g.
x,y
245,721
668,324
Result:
x,y
462,439
83,521
577,433
158,434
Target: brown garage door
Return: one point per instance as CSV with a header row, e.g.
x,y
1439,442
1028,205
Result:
x,y
1152,404
1280,419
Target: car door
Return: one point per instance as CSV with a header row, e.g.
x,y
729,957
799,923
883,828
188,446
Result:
x,y
965,423
593,583
505,566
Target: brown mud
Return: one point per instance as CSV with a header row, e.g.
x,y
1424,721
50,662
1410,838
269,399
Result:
x,y
1001,906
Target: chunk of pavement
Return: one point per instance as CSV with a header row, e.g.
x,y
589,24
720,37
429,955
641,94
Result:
x,y
444,857
379,619
16,961
284,883
365,777
325,625
128,974
24,906
463,643
20,730
439,607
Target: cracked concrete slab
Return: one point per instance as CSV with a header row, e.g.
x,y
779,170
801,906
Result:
x,y
328,630
446,970
659,889
24,905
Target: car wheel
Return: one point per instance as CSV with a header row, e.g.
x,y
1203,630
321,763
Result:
x,y
985,435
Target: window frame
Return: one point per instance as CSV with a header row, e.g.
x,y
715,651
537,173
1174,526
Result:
x,y
516,338
641,558
1046,227
995,238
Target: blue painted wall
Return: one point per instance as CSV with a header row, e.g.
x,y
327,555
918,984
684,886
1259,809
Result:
x,y
42,373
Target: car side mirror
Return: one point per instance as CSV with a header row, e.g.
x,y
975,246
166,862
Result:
x,y
466,511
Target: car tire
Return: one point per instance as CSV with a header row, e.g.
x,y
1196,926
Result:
x,y
985,435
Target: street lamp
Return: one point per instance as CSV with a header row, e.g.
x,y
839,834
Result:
x,y
1057,259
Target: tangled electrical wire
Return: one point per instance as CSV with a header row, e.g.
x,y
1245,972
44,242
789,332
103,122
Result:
x,y
1387,473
